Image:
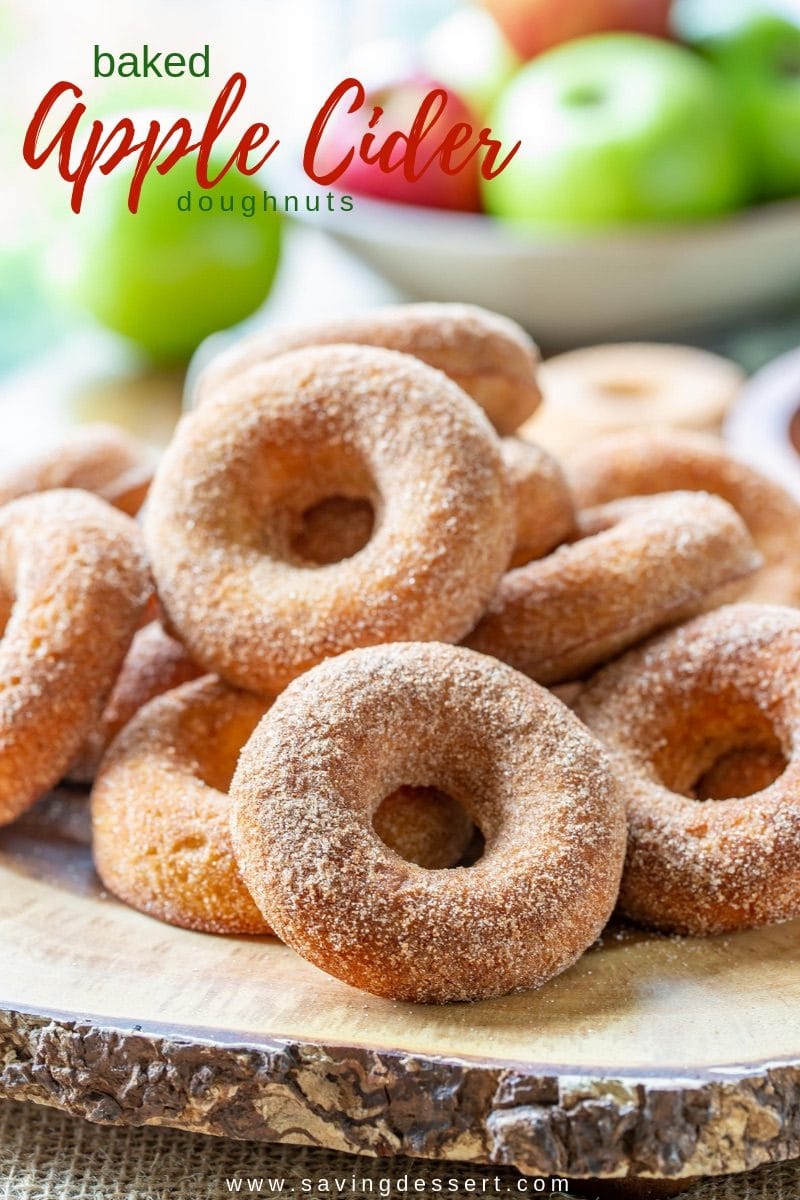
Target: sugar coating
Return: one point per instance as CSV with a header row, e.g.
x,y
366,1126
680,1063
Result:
x,y
727,681
338,527
543,502
641,463
326,421
347,733
74,585
643,564
487,355
154,664
160,809
101,459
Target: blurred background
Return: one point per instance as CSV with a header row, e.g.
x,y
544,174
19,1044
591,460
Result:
x,y
656,194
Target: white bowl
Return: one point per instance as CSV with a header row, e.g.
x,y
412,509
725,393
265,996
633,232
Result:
x,y
759,425
649,282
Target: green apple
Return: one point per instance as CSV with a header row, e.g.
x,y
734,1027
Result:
x,y
756,47
470,55
167,276
617,129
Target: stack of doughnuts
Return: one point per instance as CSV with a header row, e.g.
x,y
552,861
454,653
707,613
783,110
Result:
x,y
377,674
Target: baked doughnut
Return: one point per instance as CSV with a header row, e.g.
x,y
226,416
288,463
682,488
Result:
x,y
671,710
487,355
644,564
155,663
74,583
339,527
543,503
637,463
538,786
160,812
102,459
606,389
334,420
160,809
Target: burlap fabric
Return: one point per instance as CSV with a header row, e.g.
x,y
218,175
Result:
x,y
46,1155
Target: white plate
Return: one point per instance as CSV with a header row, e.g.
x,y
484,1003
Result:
x,y
570,290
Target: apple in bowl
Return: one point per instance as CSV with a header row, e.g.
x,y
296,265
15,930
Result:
x,y
378,172
617,129
532,26
756,48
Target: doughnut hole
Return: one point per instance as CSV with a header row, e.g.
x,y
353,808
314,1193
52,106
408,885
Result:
x,y
425,826
319,504
333,529
732,752
741,772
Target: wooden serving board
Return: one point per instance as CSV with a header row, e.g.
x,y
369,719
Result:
x,y
652,1057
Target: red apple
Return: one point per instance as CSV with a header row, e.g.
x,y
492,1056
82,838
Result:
x,y
400,100
532,26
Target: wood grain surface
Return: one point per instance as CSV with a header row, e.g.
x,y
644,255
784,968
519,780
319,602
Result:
x,y
652,1057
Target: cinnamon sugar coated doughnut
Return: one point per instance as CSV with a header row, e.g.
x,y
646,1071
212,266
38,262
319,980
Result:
x,y
102,459
424,826
543,503
160,809
670,711
160,812
358,726
631,385
636,463
155,663
74,585
647,564
339,420
489,356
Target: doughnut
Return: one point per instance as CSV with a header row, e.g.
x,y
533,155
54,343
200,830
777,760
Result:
x,y
102,459
356,727
160,809
160,812
645,564
155,663
606,389
640,463
726,683
542,500
339,527
74,583
332,420
487,355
